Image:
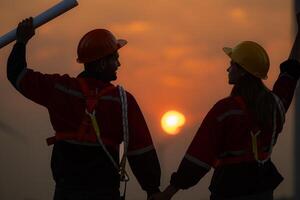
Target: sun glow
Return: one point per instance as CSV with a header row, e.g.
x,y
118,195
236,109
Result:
x,y
172,121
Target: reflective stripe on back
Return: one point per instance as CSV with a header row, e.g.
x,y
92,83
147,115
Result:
x,y
231,153
68,90
230,113
110,98
79,94
259,155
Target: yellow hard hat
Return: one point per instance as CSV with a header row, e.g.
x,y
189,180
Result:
x,y
251,56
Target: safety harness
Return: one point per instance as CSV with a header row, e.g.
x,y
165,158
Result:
x,y
260,155
92,136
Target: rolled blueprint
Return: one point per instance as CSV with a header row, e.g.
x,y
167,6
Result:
x,y
46,16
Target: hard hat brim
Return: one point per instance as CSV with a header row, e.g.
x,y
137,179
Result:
x,y
121,43
228,51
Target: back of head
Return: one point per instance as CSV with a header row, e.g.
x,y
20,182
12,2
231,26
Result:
x,y
253,58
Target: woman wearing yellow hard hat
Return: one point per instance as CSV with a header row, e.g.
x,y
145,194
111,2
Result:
x,y
238,134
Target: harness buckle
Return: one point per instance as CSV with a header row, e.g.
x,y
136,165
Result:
x,y
124,177
91,114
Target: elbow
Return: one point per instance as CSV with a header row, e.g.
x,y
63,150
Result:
x,y
13,72
292,67
16,63
9,71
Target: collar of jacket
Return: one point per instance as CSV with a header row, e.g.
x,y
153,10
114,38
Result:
x,y
86,74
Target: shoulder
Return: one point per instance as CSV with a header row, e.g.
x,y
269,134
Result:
x,y
30,73
30,76
64,80
129,95
225,104
225,108
131,100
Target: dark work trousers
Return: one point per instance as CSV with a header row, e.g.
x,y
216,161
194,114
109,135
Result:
x,y
84,194
263,196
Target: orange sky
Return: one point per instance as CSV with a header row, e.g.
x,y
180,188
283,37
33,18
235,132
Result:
x,y
173,60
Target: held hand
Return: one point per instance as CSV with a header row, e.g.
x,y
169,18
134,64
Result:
x,y
25,30
167,194
159,196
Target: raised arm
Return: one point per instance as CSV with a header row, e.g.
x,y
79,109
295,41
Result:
x,y
198,159
285,85
34,85
295,51
17,58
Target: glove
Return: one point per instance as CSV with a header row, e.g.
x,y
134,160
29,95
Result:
x,y
25,30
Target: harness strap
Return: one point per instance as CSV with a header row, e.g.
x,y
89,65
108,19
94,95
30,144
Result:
x,y
259,156
254,144
91,104
123,174
254,136
123,97
97,131
92,99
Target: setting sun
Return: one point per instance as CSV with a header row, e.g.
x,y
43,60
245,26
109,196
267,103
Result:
x,y
171,122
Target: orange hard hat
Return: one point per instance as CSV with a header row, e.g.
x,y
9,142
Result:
x,y
97,44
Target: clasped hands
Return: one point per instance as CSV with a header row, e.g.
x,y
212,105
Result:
x,y
167,194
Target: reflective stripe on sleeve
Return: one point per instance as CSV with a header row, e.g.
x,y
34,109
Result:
x,y
20,77
197,161
229,113
68,91
140,151
287,75
231,153
280,108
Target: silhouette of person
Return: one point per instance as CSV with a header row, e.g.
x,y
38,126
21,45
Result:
x,y
237,135
91,118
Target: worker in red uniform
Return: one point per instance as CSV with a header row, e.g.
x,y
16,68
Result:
x,y
91,118
238,134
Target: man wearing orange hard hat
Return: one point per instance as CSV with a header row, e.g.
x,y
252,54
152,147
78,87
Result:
x,y
91,118
237,136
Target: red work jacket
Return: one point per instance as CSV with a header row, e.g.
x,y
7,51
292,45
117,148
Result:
x,y
65,102
224,135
